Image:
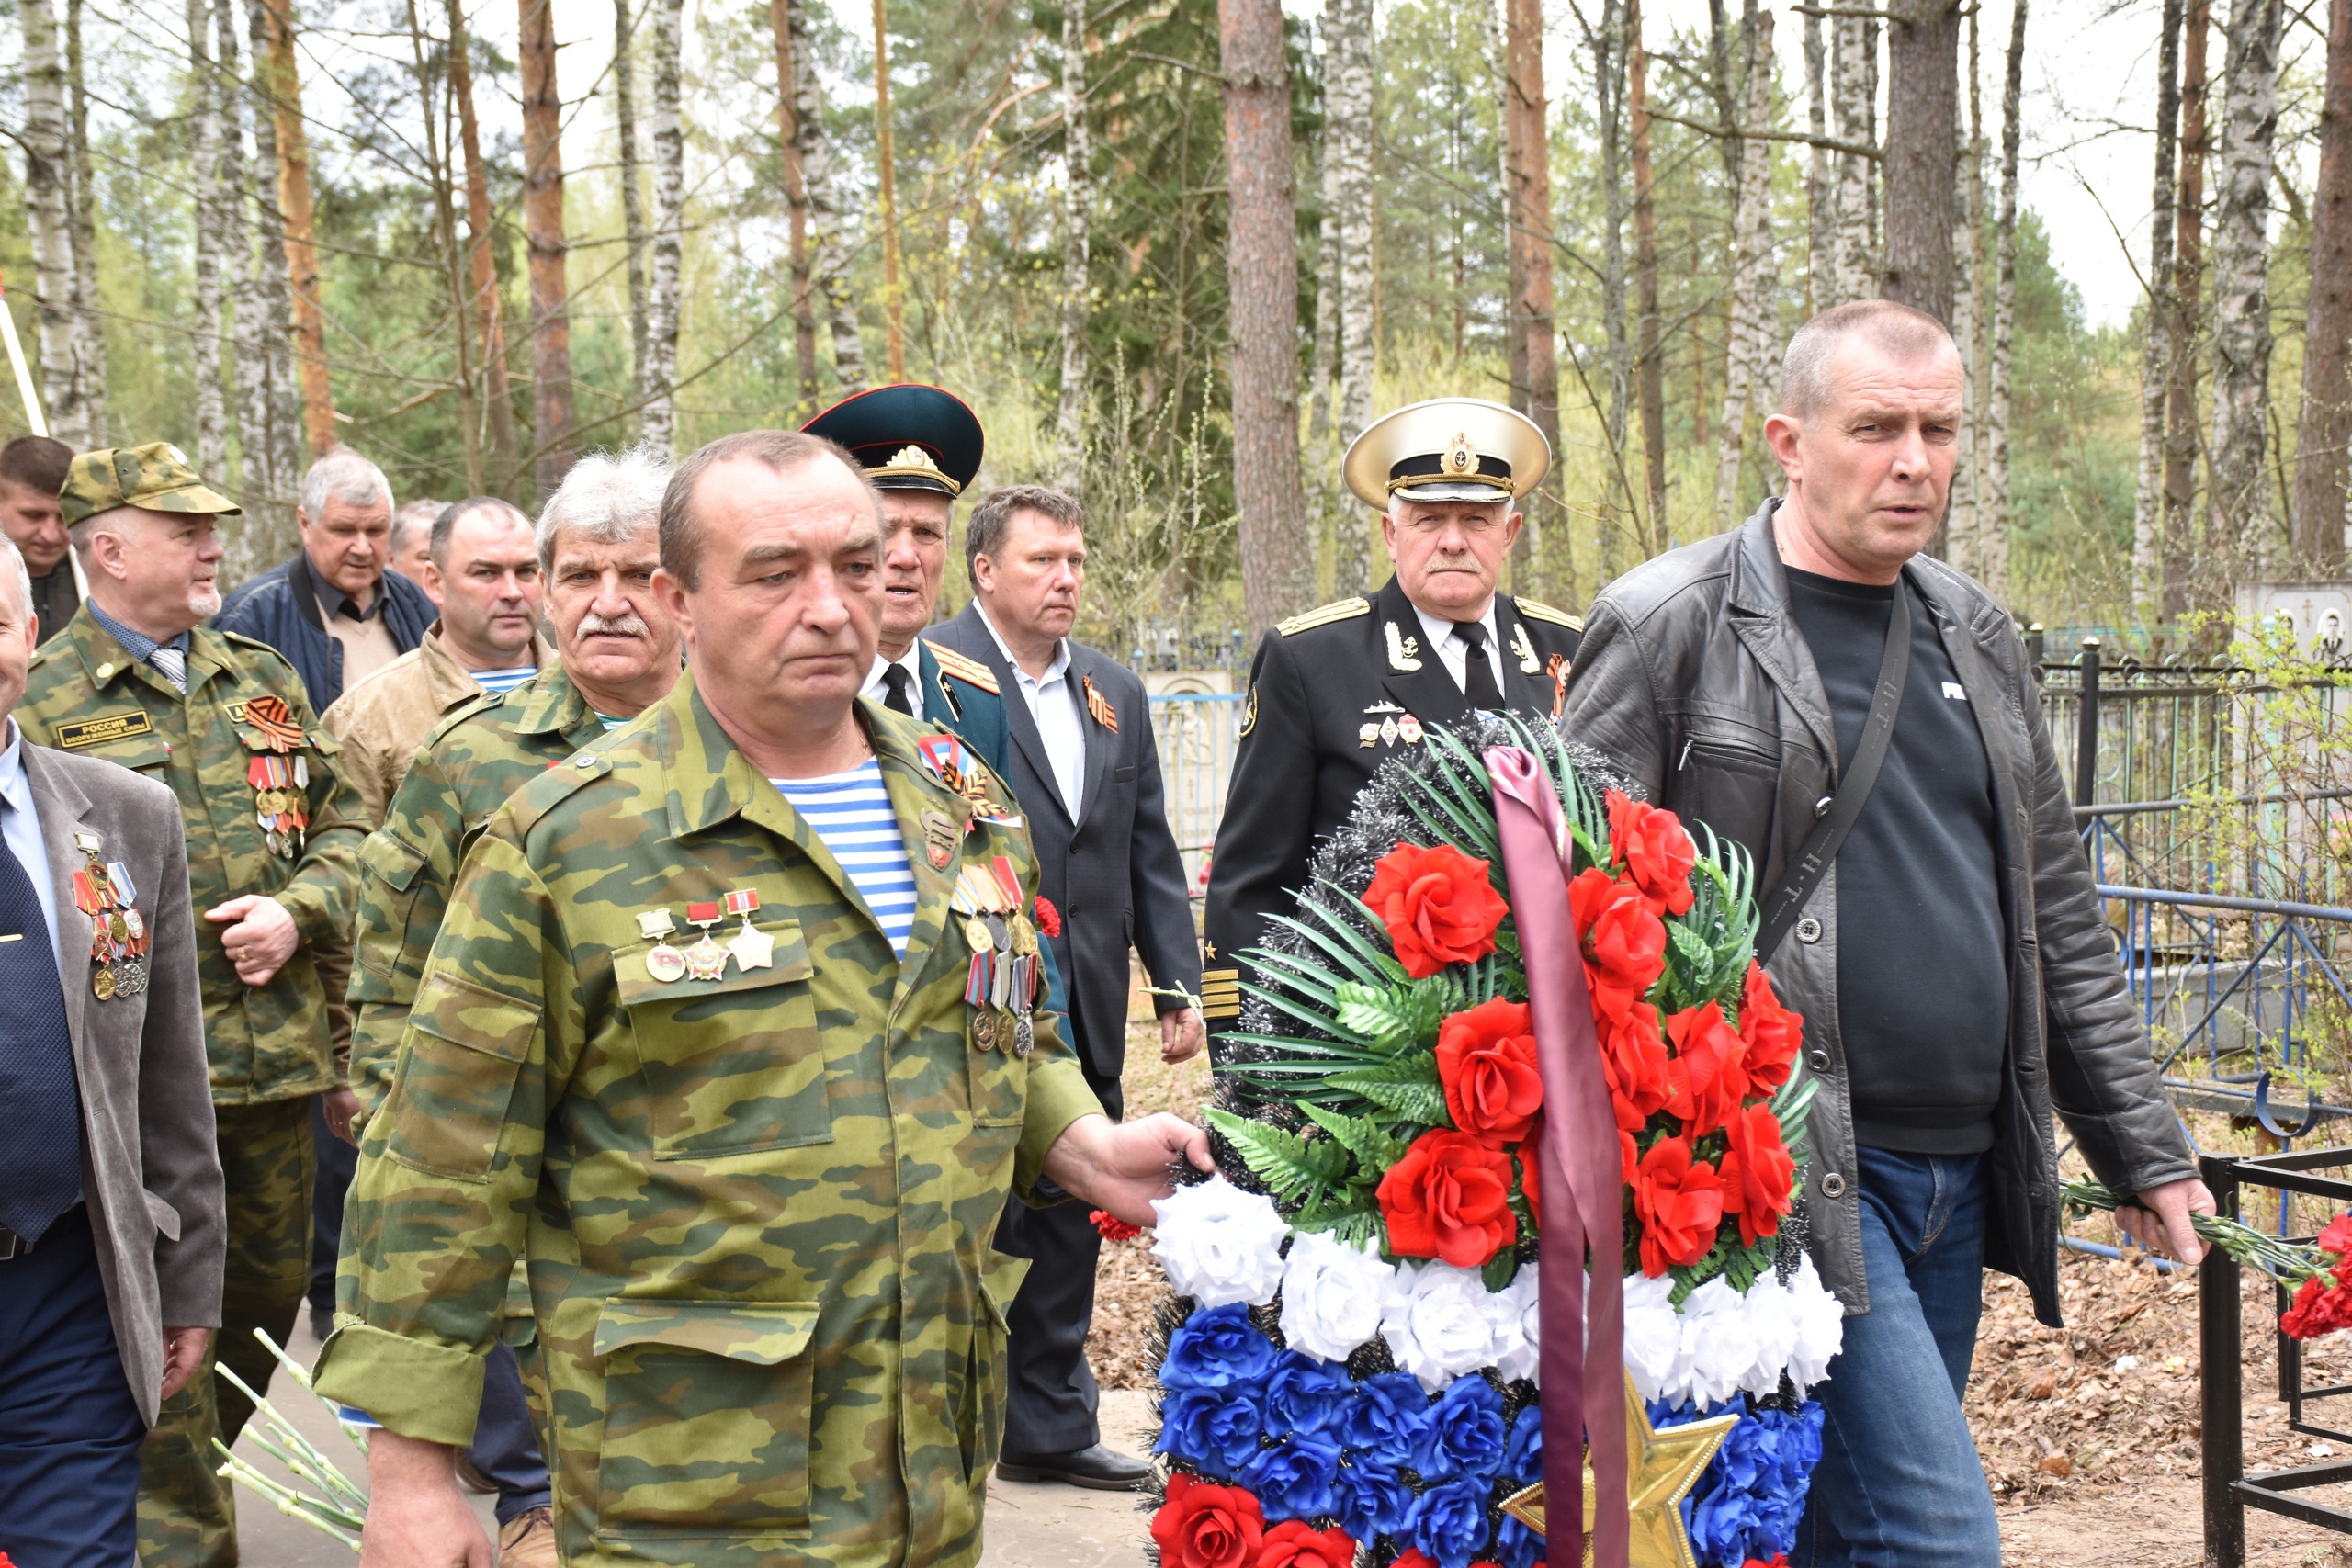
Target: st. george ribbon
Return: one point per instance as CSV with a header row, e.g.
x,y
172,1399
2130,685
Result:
x,y
1583,1183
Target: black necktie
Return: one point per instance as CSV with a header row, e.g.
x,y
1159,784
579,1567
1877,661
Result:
x,y
1479,687
41,1159
896,684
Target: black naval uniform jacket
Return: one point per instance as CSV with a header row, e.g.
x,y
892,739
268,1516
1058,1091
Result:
x,y
1331,693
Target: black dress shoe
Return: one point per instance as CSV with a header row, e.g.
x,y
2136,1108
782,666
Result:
x,y
1097,1468
321,1323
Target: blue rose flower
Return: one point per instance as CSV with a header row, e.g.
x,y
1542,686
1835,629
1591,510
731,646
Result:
x,y
1385,1421
1750,1499
1182,1415
1465,1436
1523,1456
1306,1395
1293,1479
1516,1546
1373,1500
1217,1348
1449,1523
1214,1431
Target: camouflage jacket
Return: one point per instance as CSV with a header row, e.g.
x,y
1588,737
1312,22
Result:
x,y
473,759
757,1212
87,696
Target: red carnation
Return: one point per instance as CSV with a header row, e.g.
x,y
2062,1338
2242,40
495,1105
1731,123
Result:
x,y
1708,1078
1438,906
1654,851
1625,943
2338,1236
1111,1227
1203,1526
1449,1198
1773,1033
1679,1202
2320,1307
1293,1544
1486,1058
1632,1057
1756,1173
1049,920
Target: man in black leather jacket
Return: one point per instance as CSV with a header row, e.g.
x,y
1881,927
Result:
x,y
1954,969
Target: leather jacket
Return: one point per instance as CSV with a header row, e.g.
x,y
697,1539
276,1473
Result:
x,y
1694,679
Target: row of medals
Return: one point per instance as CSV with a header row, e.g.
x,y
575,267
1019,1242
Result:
x,y
1002,982
280,802
750,947
1390,730
119,937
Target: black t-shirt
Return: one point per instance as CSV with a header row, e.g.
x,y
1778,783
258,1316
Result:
x,y
55,599
1923,988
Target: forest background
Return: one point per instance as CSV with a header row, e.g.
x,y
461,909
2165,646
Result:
x,y
421,228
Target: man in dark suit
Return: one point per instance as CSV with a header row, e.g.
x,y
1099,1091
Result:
x,y
113,1232
1337,691
1086,776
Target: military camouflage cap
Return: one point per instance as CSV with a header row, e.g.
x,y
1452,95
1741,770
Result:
x,y
157,477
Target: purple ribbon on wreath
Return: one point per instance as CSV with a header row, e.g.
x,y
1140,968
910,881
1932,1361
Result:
x,y
1581,1179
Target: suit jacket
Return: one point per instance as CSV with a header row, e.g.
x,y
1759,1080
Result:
x,y
1114,872
152,1168
1331,693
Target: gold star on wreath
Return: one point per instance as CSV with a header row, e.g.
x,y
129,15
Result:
x,y
1661,1468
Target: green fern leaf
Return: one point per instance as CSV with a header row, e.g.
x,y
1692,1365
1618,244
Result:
x,y
1373,1147
1293,1167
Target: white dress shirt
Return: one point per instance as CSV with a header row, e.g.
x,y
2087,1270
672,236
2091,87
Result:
x,y
1052,704
1455,653
20,827
912,664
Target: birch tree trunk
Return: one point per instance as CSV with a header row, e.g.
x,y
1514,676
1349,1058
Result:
x,y
1875,209
2156,349
1650,368
2178,545
89,323
438,119
632,192
1992,564
293,156
894,305
1348,144
48,215
1261,263
796,199
1857,269
1820,193
1608,68
1922,154
1078,158
244,356
481,266
656,420
204,202
2325,432
1955,535
1327,317
830,257
1527,208
1751,281
2239,518
543,228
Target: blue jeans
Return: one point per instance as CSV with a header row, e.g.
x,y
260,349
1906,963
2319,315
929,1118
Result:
x,y
506,1445
1899,1484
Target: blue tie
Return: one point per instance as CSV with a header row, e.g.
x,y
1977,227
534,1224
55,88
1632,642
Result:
x,y
41,1159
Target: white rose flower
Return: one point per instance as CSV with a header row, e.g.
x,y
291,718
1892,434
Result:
x,y
1436,1324
1821,1328
1652,1336
1773,1319
1513,1316
1332,1294
1220,1244
1718,1347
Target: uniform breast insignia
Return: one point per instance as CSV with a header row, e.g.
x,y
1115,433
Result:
x,y
279,776
1404,652
1527,663
1409,730
118,937
1099,706
665,964
1369,736
1382,707
939,837
105,728
1004,976
752,948
705,960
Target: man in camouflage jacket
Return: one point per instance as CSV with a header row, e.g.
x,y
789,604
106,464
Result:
x,y
138,679
757,1206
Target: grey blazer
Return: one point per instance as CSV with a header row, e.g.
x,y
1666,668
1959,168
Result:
x,y
151,1168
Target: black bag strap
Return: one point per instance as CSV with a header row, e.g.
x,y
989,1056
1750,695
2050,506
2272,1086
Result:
x,y
1820,851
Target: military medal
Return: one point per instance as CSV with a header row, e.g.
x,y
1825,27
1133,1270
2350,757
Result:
x,y
976,934
752,948
665,962
1024,1035
278,774
984,1030
118,937
1409,730
705,960
939,837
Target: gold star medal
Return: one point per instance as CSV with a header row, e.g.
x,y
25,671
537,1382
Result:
x,y
664,963
1662,1466
752,948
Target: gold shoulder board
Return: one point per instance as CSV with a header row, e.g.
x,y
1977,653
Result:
x,y
971,671
1536,610
1338,610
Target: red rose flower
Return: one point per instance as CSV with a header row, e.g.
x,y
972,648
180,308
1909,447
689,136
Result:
x,y
1449,1198
1438,906
1629,1158
1756,1173
1708,1076
1531,1173
1486,1058
1049,920
1625,943
1111,1227
1632,1057
1292,1544
1679,1202
1773,1033
1203,1526
1654,851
